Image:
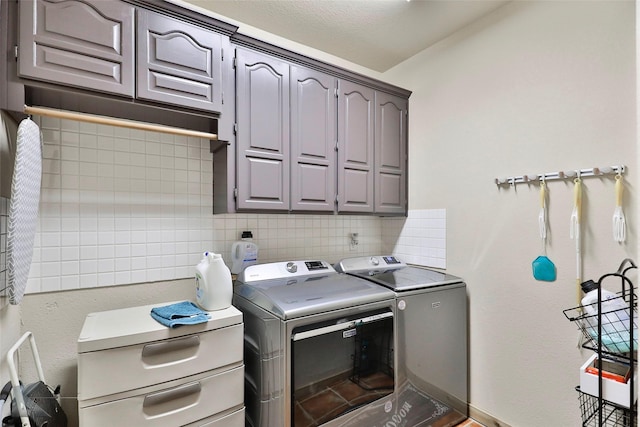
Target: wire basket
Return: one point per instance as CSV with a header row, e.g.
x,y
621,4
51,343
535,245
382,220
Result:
x,y
612,415
373,353
615,333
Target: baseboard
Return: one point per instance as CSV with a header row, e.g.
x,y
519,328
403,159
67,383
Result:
x,y
485,419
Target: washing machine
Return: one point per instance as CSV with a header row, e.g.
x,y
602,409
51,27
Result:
x,y
318,346
432,333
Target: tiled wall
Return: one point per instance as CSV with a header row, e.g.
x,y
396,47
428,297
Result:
x,y
282,237
121,206
418,239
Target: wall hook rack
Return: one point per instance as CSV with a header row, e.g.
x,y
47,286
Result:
x,y
566,174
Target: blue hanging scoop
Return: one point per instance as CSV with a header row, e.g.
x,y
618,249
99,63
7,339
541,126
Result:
x,y
543,268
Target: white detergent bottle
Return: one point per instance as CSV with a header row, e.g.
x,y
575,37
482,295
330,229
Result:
x,y
214,290
615,318
243,253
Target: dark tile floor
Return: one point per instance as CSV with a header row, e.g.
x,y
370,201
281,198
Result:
x,y
469,423
338,397
324,403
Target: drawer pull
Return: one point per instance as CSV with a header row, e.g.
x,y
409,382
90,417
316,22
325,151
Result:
x,y
166,396
156,349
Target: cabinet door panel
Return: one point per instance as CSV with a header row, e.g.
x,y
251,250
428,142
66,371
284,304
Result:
x,y
262,92
355,147
86,44
265,180
391,156
313,139
388,188
359,181
178,63
311,181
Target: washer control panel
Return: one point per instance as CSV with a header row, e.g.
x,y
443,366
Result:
x,y
286,269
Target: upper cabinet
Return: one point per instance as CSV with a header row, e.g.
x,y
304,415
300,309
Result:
x,y
87,44
391,154
286,135
263,159
300,135
117,48
178,63
313,140
356,115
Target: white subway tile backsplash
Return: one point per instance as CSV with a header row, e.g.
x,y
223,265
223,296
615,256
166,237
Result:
x,y
70,254
69,268
122,277
106,265
88,266
50,284
88,280
123,206
88,252
106,279
419,239
69,282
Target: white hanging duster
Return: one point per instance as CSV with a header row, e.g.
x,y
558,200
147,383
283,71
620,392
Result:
x,y
619,223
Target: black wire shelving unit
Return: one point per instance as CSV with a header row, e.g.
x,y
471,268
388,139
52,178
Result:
x,y
617,343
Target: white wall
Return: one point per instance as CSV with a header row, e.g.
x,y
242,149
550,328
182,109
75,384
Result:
x,y
535,87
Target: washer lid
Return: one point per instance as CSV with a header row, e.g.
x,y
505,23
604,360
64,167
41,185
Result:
x,y
394,274
302,295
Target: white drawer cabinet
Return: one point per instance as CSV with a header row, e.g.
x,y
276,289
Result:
x,y
151,375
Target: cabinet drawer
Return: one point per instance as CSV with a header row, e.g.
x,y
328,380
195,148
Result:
x,y
234,419
177,405
119,369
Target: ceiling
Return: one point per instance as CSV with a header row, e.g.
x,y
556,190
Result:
x,y
376,34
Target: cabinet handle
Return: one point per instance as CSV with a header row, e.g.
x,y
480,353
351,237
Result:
x,y
165,396
156,349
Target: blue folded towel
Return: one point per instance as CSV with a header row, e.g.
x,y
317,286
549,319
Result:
x,y
180,313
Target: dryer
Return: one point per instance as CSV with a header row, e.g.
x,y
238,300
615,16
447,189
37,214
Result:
x,y
432,332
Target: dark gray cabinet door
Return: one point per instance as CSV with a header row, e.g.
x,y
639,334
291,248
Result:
x,y
391,154
87,43
313,140
356,113
178,63
262,99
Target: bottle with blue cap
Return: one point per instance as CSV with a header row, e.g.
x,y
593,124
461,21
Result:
x,y
615,318
214,290
243,253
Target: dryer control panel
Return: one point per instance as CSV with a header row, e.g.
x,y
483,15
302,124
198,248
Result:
x,y
357,264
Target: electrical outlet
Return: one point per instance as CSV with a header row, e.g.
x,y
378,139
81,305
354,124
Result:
x,y
353,243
